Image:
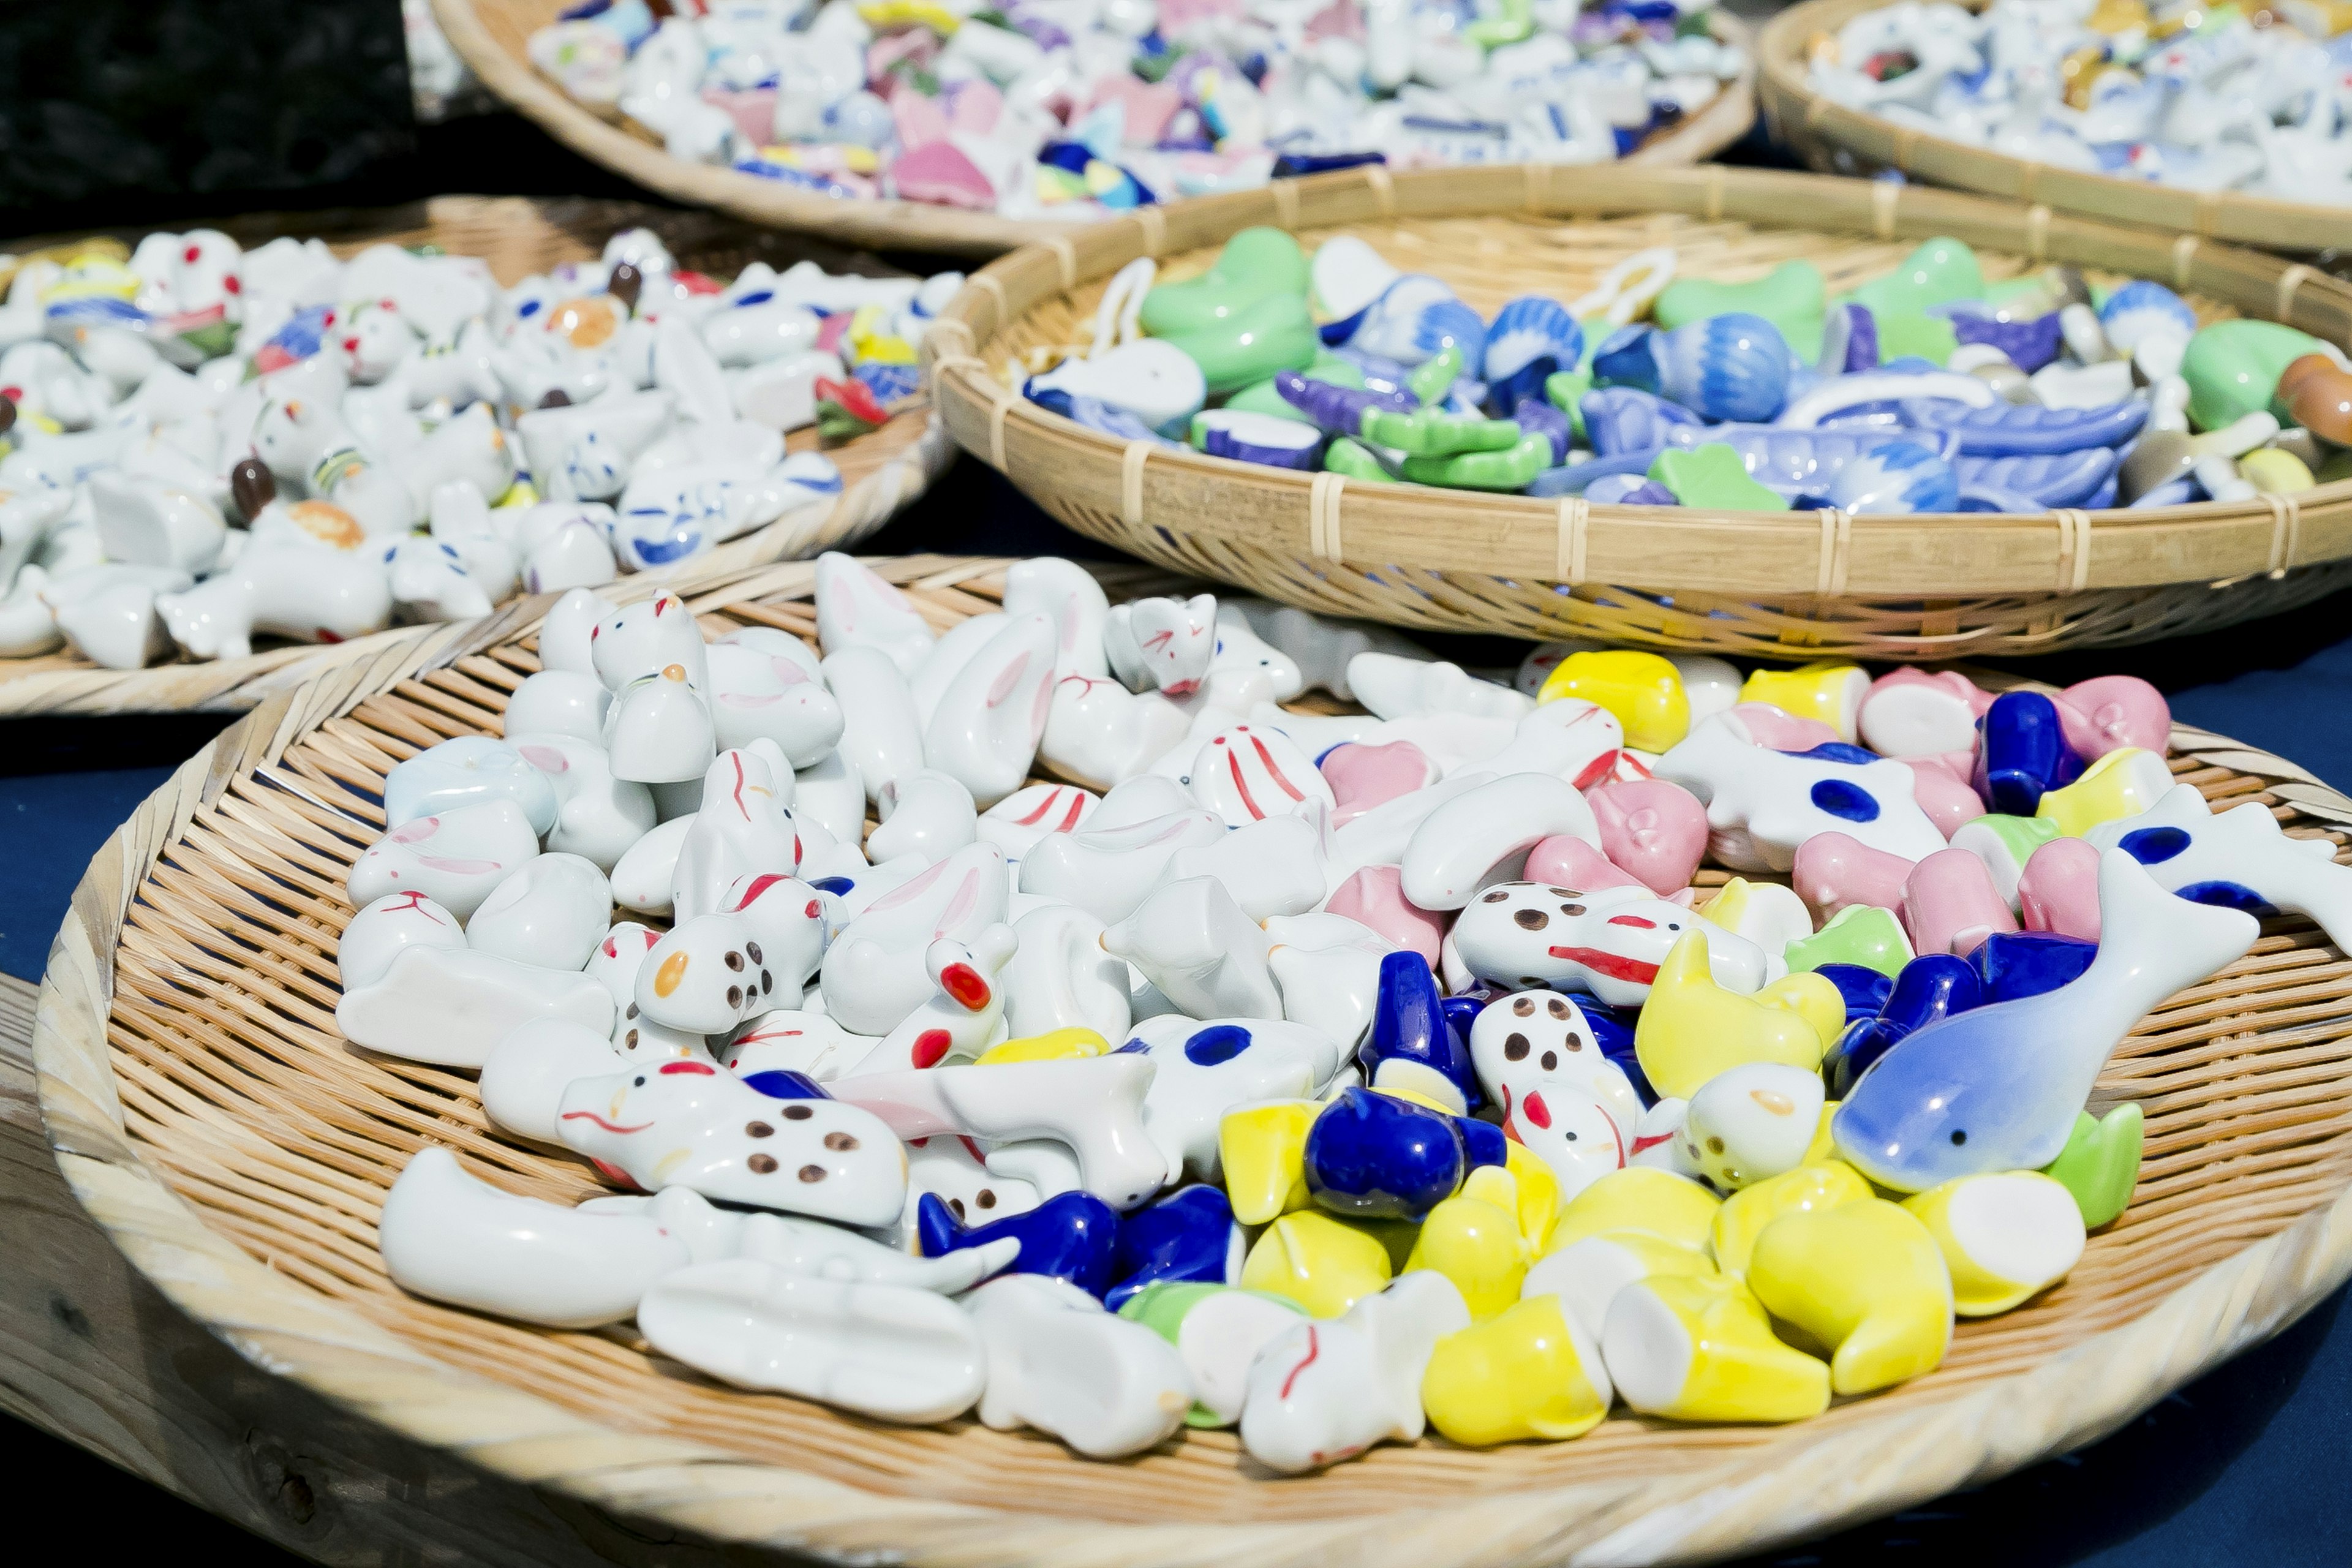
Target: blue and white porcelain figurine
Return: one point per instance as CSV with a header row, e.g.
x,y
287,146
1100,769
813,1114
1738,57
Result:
x,y
1997,1087
1896,477
1530,340
1071,1235
1416,319
2237,857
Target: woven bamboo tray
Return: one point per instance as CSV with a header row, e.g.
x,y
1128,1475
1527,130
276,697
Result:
x,y
492,38
209,1116
1760,583
1832,137
881,471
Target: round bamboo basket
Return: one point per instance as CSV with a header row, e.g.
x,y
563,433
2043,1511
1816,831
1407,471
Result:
x,y
881,471
492,38
1761,583
1832,137
209,1116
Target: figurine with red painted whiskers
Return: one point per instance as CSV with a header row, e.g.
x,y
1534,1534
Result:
x,y
963,1017
1608,942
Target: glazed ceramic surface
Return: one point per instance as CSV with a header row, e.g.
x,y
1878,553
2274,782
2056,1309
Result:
x,y
1326,1075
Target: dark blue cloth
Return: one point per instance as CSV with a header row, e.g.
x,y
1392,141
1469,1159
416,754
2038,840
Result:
x,y
2247,1465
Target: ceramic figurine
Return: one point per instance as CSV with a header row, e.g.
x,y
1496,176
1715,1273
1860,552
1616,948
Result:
x,y
2230,858
450,1236
1692,1348
2005,1236
552,913
1865,1281
451,1006
1104,1385
1692,1028
1610,942
1914,1122
1324,1264
377,933
1217,1331
455,857
1095,1105
891,1351
1750,1122
1204,1071
1324,1392
1762,805
1193,941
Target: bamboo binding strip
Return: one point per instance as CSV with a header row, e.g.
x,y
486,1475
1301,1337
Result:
x,y
1765,584
1832,137
881,471
208,1114
492,38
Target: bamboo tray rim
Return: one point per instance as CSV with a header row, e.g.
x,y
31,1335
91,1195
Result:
x,y
891,222
1827,554
913,445
1796,115
1753,1498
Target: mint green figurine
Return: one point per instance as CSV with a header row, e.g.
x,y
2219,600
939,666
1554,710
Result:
x,y
1858,934
2233,368
1713,476
1511,469
1938,272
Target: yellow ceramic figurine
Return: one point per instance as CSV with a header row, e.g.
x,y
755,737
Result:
x,y
1699,1348
1474,1239
1639,1198
2005,1236
2125,783
1866,1282
1539,1194
1263,1149
1644,690
1690,1028
1587,1274
1831,693
1529,1372
1807,1188
1323,1265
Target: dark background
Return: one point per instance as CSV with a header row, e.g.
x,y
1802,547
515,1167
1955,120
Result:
x,y
164,111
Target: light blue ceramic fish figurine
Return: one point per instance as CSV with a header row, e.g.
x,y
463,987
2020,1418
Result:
x,y
1997,1089
1732,366
1415,319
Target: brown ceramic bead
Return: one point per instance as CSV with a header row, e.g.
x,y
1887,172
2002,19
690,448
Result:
x,y
251,486
2319,397
625,285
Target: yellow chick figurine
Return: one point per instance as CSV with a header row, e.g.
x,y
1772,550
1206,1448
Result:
x,y
1644,692
1539,1194
1831,693
1262,1149
1531,1371
1643,1198
1587,1274
1699,1348
1323,1265
1474,1239
1743,1218
1690,1028
2005,1236
1055,1044
1866,1282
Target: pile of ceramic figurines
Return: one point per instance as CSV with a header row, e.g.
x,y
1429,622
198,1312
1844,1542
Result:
x,y
1326,1076
1075,108
2211,98
1927,390
207,444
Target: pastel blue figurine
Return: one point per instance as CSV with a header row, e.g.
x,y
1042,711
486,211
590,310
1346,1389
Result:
x,y
1418,317
2022,753
1530,340
1931,987
1186,1236
1805,462
1072,1235
2140,309
1627,419
2233,859
1628,490
1996,1088
1896,477
2028,345
2026,429
2050,478
1536,417
1734,367
1374,1156
2018,964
